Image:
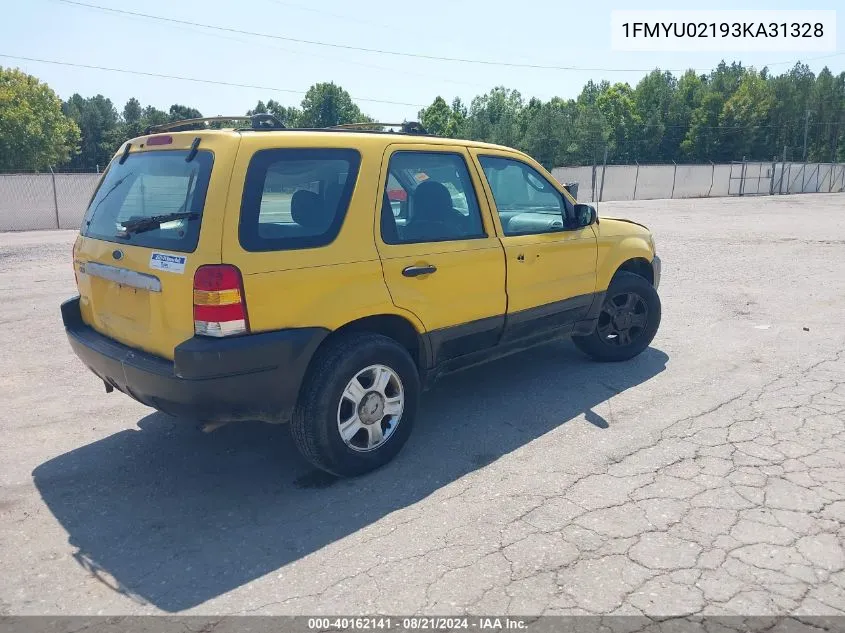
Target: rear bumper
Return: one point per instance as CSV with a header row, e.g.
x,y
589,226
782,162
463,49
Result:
x,y
252,377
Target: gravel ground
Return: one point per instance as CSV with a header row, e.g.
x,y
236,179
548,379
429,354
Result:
x,y
705,476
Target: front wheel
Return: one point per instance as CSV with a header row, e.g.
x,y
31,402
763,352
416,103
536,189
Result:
x,y
358,404
627,323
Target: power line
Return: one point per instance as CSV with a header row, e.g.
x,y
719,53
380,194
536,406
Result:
x,y
194,79
335,58
399,103
462,60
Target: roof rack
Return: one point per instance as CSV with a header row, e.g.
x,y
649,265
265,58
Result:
x,y
407,127
262,121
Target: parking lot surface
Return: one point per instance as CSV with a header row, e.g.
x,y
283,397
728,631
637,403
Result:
x,y
705,476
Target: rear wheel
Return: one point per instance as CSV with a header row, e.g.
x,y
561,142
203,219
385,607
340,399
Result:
x,y
358,404
627,323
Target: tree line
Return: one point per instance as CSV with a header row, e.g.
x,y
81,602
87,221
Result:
x,y
731,113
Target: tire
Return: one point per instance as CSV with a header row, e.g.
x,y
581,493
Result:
x,y
609,341
325,402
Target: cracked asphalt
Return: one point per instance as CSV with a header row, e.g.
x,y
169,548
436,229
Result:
x,y
707,476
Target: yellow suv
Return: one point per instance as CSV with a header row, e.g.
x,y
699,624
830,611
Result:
x,y
325,277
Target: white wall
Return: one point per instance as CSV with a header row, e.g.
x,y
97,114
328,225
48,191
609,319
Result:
x,y
29,201
651,182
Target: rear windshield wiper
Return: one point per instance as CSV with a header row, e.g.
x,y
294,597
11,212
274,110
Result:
x,y
141,225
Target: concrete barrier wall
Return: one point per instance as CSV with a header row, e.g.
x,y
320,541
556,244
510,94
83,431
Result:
x,y
651,182
27,202
582,175
42,201
73,193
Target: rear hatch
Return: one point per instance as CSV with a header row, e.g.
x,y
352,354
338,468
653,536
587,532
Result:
x,y
156,217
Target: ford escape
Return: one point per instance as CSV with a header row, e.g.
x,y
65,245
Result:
x,y
325,277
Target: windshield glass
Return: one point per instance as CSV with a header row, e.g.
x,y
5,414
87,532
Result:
x,y
151,185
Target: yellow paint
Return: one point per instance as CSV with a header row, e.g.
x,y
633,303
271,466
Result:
x,y
357,275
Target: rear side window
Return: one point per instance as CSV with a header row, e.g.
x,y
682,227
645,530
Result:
x,y
429,197
154,199
296,198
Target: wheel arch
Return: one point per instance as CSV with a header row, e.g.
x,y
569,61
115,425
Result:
x,y
397,327
637,265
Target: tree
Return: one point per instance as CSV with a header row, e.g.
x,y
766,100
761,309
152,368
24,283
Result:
x,y
548,128
97,120
288,115
723,115
34,133
132,111
327,105
616,104
494,117
653,98
747,110
457,119
685,100
436,117
827,105
179,112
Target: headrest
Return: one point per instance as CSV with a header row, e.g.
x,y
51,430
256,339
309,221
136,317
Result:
x,y
432,197
308,211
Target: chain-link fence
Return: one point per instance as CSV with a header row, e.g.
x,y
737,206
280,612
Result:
x,y
44,200
739,178
58,200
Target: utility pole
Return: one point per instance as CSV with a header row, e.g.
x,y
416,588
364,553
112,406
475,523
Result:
x,y
806,127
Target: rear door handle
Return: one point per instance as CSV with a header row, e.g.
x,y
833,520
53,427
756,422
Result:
x,y
416,271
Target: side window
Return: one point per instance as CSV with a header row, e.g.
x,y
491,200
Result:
x,y
296,198
429,197
527,203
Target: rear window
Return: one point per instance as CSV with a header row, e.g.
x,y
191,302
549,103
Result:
x,y
296,198
153,199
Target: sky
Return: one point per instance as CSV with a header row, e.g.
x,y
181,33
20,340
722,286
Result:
x,y
387,87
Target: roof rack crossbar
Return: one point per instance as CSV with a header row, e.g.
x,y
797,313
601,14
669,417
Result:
x,y
261,121
407,127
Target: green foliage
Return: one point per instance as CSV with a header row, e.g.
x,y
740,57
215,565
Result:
x,y
289,116
97,120
730,113
326,105
727,114
442,120
34,133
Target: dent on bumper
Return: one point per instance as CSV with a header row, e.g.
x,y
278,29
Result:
x,y
252,377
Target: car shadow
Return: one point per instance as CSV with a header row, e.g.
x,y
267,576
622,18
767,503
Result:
x,y
174,517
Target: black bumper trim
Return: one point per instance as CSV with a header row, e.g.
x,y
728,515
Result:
x,y
252,377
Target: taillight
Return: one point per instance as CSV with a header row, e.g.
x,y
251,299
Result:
x,y
219,302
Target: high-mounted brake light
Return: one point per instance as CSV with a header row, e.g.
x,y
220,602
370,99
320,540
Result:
x,y
164,139
219,302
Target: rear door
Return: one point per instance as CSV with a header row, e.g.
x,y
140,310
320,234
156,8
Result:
x,y
439,251
154,219
551,267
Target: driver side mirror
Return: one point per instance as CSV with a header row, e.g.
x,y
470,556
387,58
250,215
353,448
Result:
x,y
585,215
